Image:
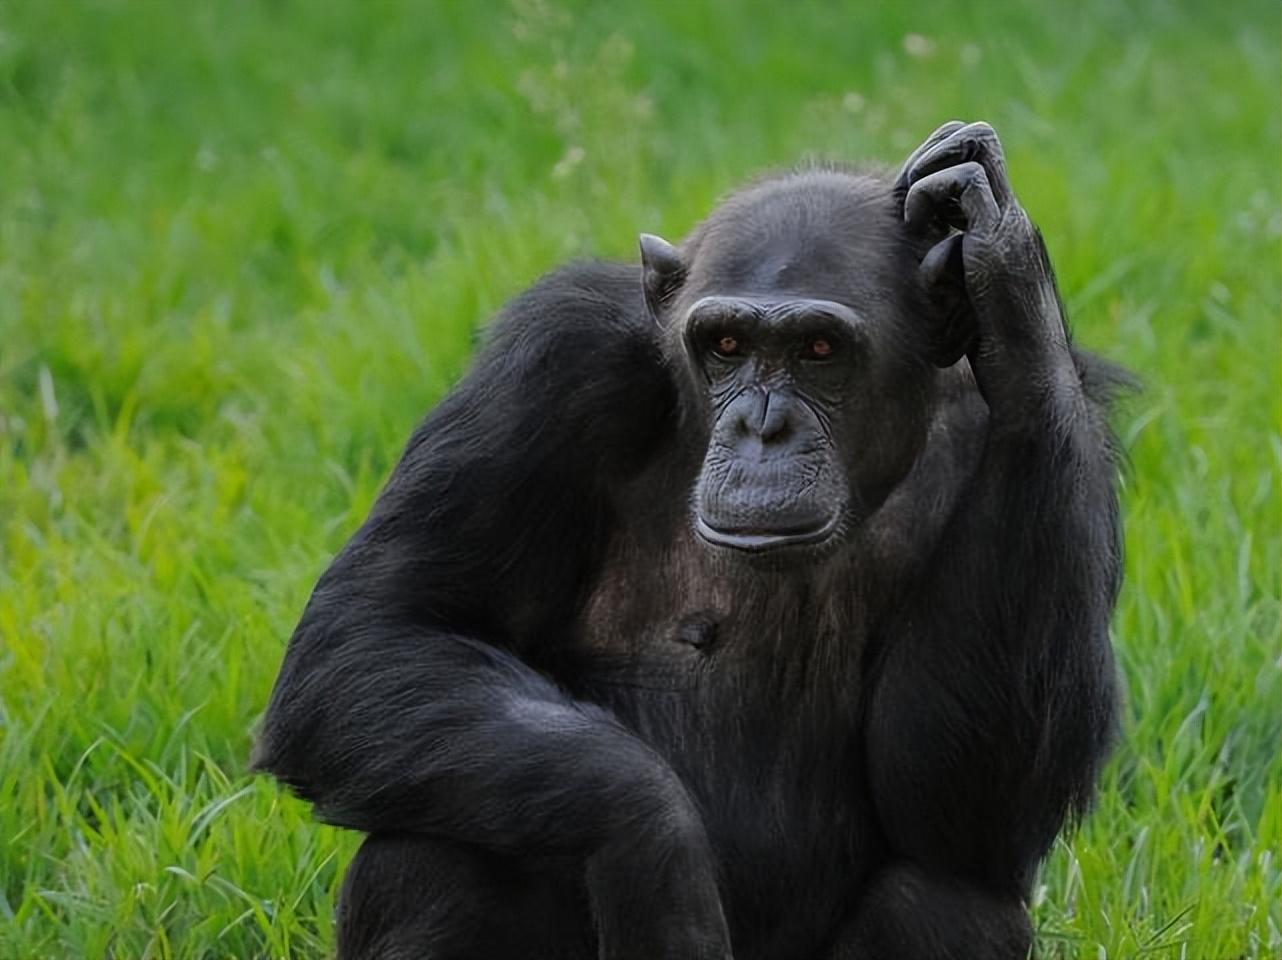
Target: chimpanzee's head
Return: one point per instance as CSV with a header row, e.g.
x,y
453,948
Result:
x,y
796,309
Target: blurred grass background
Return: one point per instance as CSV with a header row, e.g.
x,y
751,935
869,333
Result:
x,y
244,245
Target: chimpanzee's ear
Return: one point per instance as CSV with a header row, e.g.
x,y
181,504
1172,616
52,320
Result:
x,y
952,324
662,271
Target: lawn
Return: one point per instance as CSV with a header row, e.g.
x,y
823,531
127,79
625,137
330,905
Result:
x,y
244,246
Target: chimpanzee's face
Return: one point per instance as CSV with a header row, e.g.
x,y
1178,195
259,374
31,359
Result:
x,y
808,430
796,325
777,373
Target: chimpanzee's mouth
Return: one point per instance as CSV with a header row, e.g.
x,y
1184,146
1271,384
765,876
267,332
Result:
x,y
760,540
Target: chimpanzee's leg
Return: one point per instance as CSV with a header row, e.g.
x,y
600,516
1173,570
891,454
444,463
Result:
x,y
908,914
408,896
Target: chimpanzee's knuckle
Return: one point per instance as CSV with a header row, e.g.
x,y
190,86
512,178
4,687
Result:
x,y
974,175
983,131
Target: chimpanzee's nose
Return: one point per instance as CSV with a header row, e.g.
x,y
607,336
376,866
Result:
x,y
765,417
774,418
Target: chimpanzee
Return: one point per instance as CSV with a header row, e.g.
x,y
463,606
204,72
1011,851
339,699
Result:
x,y
752,601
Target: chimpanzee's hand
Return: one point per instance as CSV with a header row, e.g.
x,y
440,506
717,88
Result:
x,y
654,892
956,181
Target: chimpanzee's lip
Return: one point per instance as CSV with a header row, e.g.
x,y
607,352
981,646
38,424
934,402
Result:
x,y
756,541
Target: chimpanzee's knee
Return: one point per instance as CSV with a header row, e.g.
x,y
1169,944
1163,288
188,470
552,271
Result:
x,y
908,913
409,896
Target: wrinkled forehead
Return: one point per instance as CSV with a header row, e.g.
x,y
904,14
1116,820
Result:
x,y
825,241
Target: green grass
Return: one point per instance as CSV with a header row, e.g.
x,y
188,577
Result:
x,y
243,247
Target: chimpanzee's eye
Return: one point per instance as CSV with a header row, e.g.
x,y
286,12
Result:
x,y
820,348
726,346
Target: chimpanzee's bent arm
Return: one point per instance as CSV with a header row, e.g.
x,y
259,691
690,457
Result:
x,y
403,703
400,704
994,702
387,726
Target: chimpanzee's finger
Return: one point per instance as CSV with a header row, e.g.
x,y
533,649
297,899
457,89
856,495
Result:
x,y
960,196
940,133
975,141
934,266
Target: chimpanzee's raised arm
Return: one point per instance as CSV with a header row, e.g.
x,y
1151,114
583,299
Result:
x,y
403,703
994,700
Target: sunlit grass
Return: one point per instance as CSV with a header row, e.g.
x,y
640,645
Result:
x,y
244,246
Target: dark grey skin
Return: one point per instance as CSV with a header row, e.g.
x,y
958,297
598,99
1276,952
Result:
x,y
753,603
779,372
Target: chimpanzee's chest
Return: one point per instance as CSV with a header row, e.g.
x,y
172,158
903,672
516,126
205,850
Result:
x,y
747,680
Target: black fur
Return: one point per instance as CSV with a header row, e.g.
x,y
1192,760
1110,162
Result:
x,y
572,726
